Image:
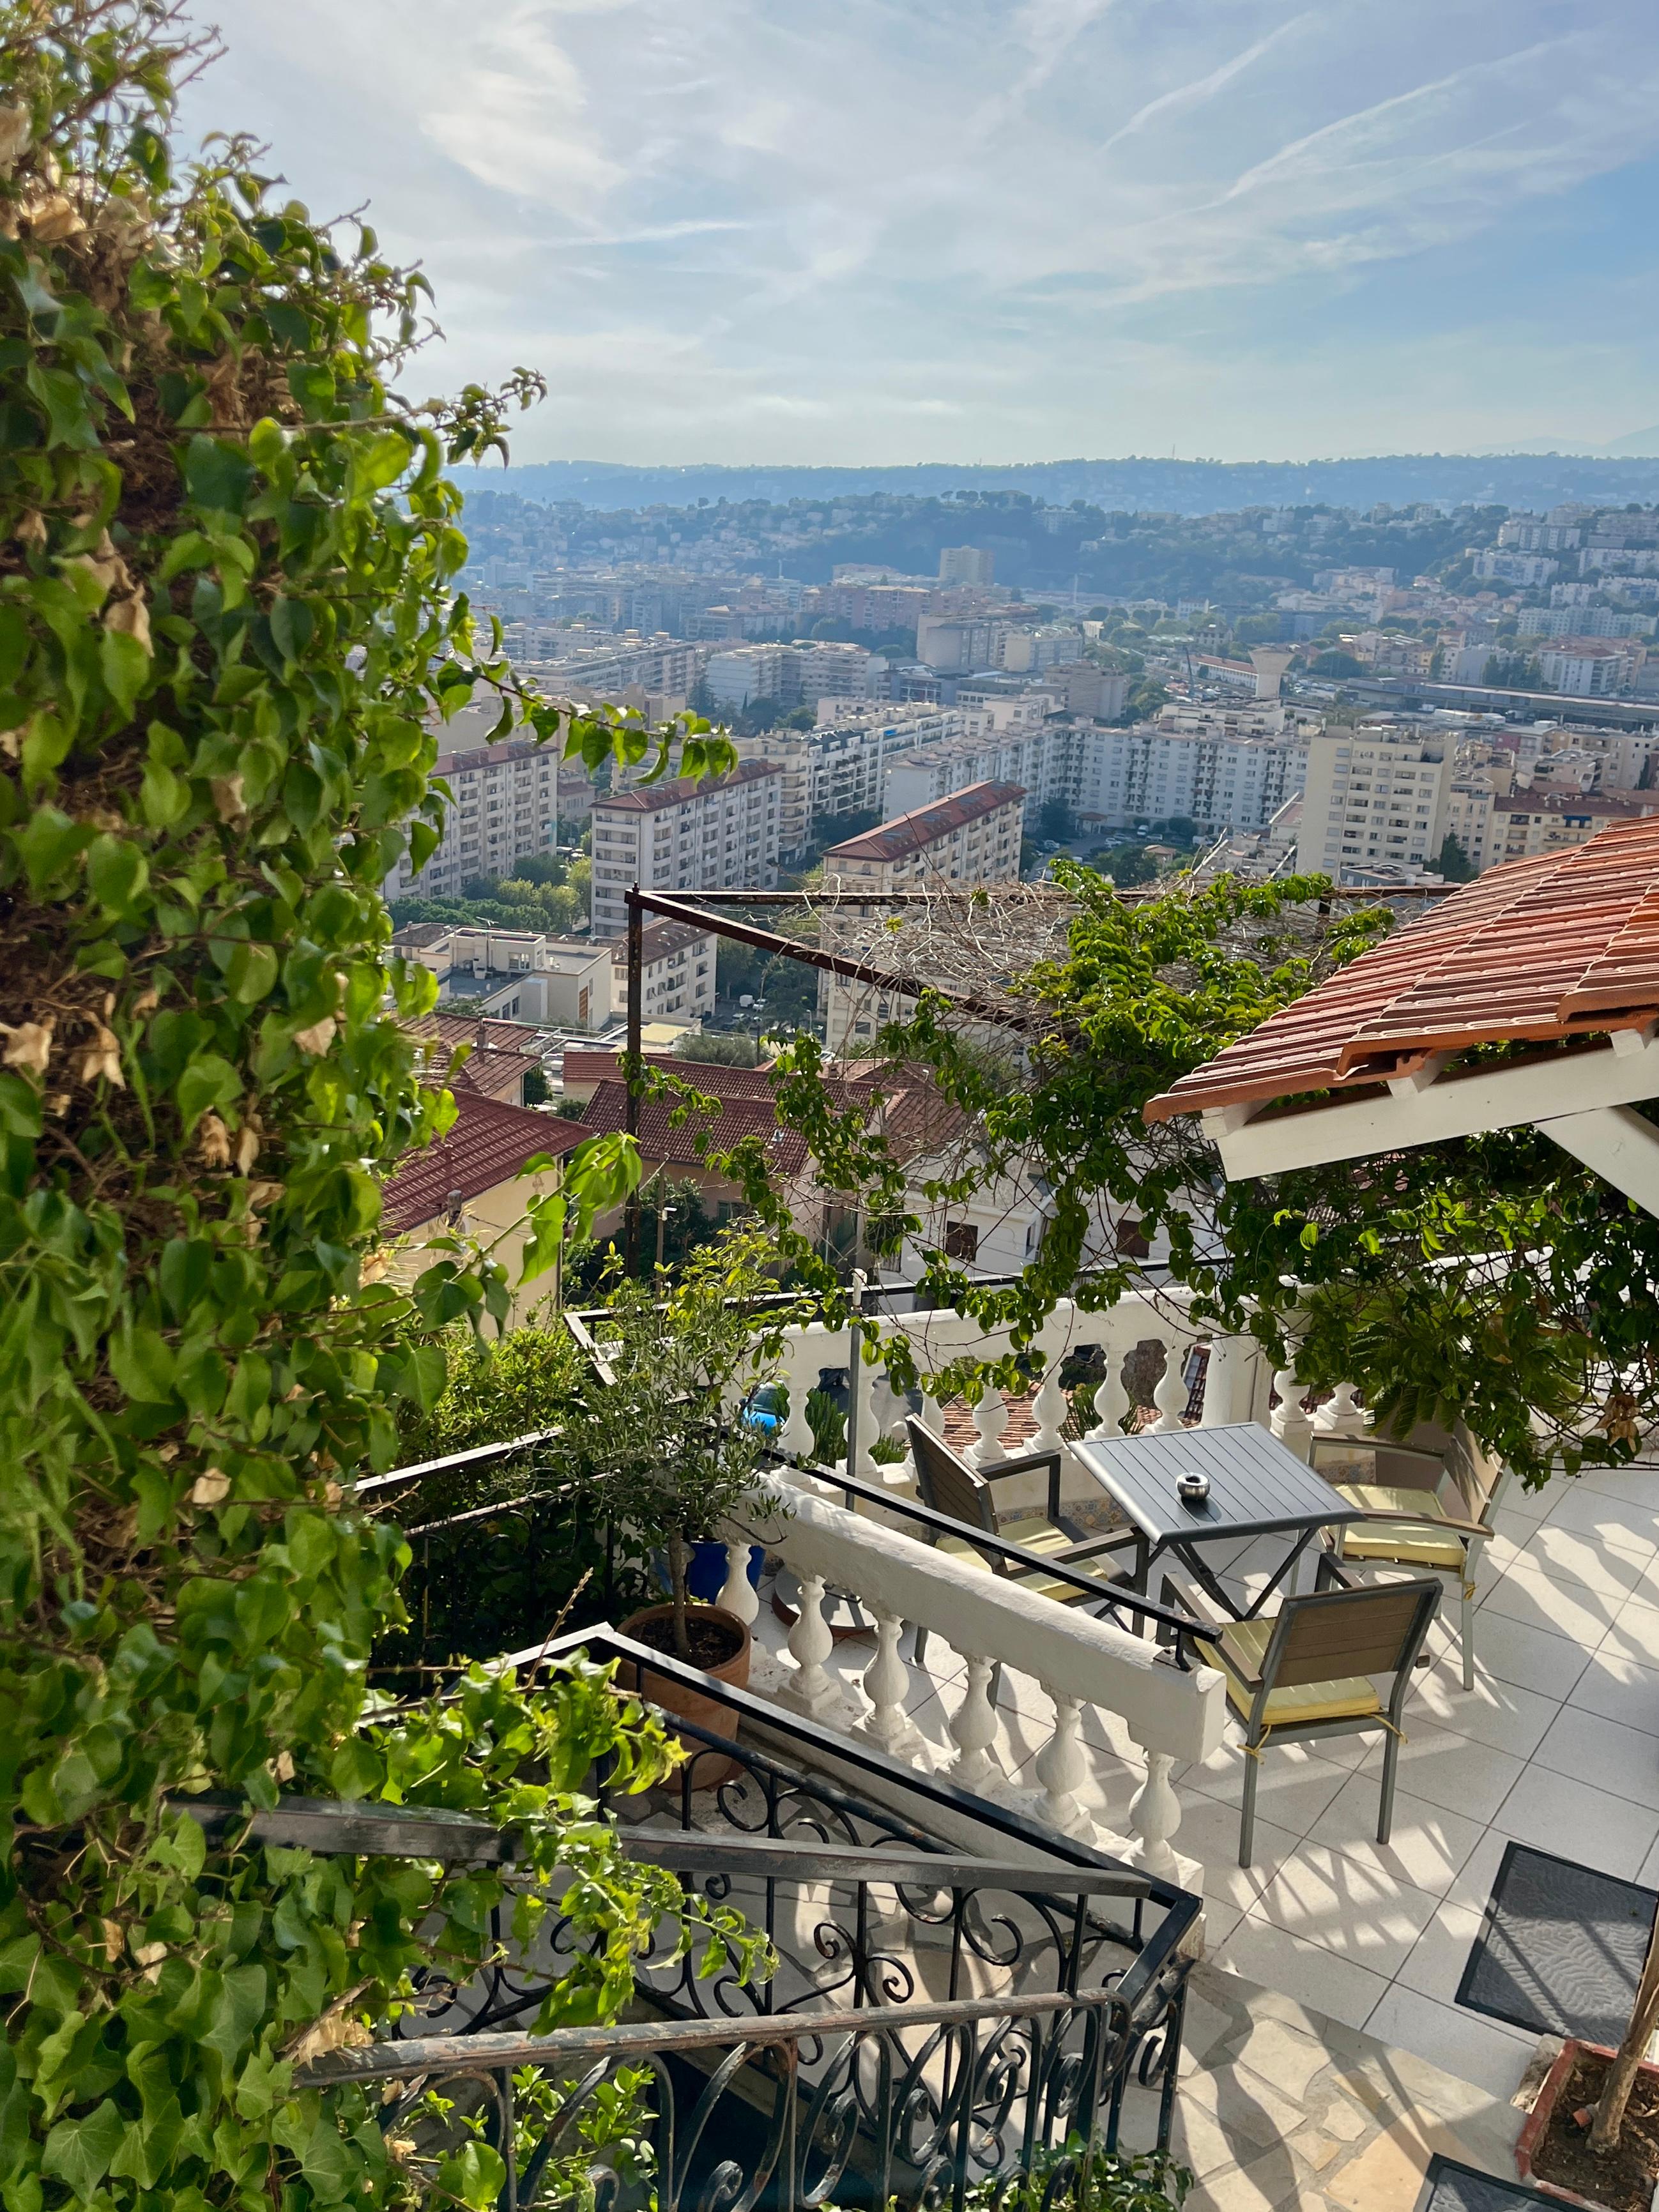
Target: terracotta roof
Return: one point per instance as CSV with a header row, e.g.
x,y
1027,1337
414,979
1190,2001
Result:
x,y
663,1139
646,800
909,833
502,1053
658,939
488,1144
1536,950
585,1064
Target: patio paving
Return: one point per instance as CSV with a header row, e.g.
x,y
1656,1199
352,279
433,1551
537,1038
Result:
x,y
1557,1745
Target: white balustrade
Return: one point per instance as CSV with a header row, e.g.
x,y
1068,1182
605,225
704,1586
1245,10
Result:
x,y
1341,1414
738,1593
1289,1422
990,1421
1171,1395
1173,1713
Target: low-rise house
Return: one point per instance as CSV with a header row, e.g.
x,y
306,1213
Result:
x,y
472,1183
502,1057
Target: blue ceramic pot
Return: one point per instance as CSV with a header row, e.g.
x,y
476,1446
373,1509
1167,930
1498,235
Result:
x,y
706,1577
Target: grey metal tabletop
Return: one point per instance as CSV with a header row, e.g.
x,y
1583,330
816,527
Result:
x,y
1256,1484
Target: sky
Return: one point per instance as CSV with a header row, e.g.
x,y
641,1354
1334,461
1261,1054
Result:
x,y
882,231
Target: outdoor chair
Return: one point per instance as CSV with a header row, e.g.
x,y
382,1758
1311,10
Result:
x,y
1429,1500
1308,1671
950,1485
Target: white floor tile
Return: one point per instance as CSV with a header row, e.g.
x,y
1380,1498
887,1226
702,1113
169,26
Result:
x,y
1558,1813
1634,1633
1525,1593
1465,2044
1452,1770
1500,1713
1603,1754
1290,1793
1263,1951
1326,1898
1426,1845
1622,1523
1209,1833
1438,1958
1620,1689
1569,1555
1508,1651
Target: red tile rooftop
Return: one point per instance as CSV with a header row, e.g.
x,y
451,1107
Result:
x,y
489,1143
1537,950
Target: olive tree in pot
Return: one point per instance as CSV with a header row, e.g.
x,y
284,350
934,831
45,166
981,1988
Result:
x,y
659,1442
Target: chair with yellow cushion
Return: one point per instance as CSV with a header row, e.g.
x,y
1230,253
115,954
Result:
x,y
950,1485
1337,1661
1429,1500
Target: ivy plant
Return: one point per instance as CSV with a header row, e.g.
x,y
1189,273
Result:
x,y
229,630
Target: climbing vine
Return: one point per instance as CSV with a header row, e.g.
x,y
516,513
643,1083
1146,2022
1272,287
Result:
x,y
228,625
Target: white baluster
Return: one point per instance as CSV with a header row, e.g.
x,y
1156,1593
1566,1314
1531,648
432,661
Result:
x,y
1341,1415
932,1414
990,1419
1064,1772
863,1380
1288,1422
887,1686
1226,1380
973,1729
1051,1408
1111,1399
738,1593
1171,1395
811,1689
802,1361
1154,1816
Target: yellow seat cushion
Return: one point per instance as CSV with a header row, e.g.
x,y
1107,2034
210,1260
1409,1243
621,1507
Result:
x,y
1414,1543
1036,1534
1238,1652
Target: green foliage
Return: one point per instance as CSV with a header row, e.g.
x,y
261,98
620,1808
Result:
x,y
1453,862
226,552
713,1049
1335,664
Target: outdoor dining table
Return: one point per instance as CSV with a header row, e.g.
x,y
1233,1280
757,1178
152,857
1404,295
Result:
x,y
1257,1487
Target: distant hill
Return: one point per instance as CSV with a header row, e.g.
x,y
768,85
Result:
x,y
1187,488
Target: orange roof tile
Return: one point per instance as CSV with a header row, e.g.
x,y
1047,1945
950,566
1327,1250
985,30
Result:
x,y
488,1143
1537,950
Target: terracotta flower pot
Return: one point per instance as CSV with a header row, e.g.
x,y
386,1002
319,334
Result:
x,y
709,1770
1538,2120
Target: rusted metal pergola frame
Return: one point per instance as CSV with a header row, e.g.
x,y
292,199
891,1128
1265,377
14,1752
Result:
x,y
669,907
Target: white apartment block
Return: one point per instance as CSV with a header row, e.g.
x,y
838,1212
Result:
x,y
678,973
1586,668
503,808
1222,769
959,844
966,564
797,675
1526,569
721,835
840,768
1376,795
1038,756
661,665
1528,823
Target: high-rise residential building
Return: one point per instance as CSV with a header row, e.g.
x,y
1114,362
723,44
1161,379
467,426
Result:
x,y
721,834
1587,667
1217,767
839,767
1377,795
678,973
797,675
503,808
1037,755
959,844
966,564
1526,823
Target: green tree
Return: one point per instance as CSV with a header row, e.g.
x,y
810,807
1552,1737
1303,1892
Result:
x,y
226,616
1454,862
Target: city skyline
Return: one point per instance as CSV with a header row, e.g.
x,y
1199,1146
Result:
x,y
880,233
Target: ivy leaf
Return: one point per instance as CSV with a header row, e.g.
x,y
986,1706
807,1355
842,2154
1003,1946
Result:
x,y
116,871
79,2151
126,667
209,1080
251,973
217,475
236,2011
475,2176
46,844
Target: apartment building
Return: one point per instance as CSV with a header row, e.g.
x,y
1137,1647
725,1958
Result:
x,y
840,767
1530,570
1219,767
959,844
1588,668
1527,822
966,564
1377,795
604,670
719,835
1039,755
678,973
503,808
797,675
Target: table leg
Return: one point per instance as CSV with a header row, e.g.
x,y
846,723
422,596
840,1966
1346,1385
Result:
x,y
1288,1570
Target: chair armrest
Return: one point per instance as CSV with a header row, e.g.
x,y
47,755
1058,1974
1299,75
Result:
x,y
1330,1569
1024,1465
1091,1546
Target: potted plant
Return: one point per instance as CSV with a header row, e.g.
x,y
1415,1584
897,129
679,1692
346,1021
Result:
x,y
1576,2144
661,1441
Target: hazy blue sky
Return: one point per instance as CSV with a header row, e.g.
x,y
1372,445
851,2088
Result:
x,y
895,230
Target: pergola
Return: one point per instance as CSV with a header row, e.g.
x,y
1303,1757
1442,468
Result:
x,y
1558,956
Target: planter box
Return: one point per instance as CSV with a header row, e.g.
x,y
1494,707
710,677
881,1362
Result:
x,y
1543,2111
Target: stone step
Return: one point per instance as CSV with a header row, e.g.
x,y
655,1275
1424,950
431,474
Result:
x,y
1279,2105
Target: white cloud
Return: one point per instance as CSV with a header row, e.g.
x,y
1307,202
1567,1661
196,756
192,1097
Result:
x,y
856,223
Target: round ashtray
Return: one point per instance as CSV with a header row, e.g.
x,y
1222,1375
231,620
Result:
x,y
1194,1488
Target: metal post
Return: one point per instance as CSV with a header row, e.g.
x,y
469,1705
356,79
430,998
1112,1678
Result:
x,y
854,1362
635,1066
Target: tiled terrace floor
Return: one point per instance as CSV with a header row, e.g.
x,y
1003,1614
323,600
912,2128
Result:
x,y
1557,1745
